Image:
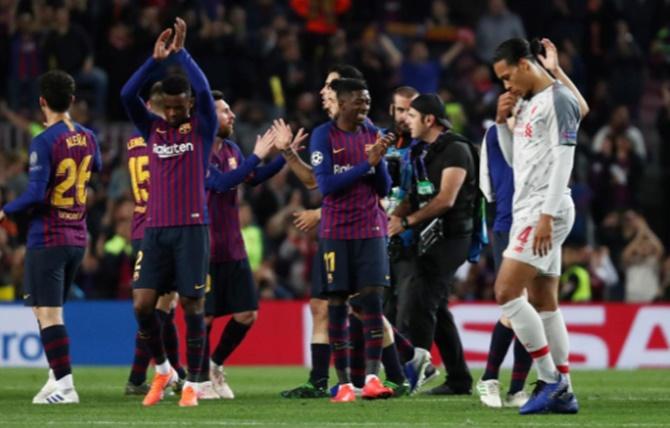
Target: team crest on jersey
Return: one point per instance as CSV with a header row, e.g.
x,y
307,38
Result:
x,y
316,158
528,131
232,163
33,158
185,128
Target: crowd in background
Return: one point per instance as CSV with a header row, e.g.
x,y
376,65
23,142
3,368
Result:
x,y
270,58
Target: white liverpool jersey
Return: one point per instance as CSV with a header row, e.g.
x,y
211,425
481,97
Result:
x,y
551,117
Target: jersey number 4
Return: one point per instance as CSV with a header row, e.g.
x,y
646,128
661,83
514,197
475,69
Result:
x,y
138,176
75,175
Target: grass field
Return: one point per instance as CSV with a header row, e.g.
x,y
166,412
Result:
x,y
615,398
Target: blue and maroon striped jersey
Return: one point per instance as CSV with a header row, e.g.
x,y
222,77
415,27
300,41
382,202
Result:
x,y
61,161
138,166
178,156
351,187
227,169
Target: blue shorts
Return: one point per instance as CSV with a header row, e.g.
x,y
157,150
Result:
x,y
318,277
353,264
48,274
230,289
173,259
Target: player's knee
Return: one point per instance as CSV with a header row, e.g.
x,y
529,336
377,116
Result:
x,y
337,299
247,318
143,307
543,304
48,318
319,309
503,293
192,306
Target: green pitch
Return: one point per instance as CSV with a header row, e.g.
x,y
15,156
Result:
x,y
614,398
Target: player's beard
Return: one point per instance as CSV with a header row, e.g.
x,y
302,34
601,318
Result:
x,y
401,128
225,132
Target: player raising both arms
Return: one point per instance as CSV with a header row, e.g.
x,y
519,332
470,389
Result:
x,y
61,160
541,151
138,166
176,239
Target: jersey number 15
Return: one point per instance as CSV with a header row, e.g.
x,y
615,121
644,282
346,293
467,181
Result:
x,y
138,176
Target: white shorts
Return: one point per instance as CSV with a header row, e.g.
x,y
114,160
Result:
x,y
521,238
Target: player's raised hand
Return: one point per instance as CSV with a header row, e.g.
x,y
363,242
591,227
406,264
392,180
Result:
x,y
506,102
283,134
306,220
550,59
299,138
264,144
161,49
543,232
179,35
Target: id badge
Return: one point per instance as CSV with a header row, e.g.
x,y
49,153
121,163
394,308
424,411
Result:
x,y
425,188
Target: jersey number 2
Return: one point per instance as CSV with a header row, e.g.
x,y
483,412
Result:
x,y
77,176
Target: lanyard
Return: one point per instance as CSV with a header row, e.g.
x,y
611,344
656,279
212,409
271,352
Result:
x,y
420,170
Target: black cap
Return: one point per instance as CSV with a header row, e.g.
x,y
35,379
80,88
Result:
x,y
431,104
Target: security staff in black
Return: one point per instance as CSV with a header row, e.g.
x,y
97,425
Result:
x,y
439,208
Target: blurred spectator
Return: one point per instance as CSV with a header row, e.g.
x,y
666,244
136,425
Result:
x,y
665,282
252,236
496,26
604,275
25,64
575,285
660,50
115,270
625,66
421,72
31,126
642,260
625,172
68,47
619,123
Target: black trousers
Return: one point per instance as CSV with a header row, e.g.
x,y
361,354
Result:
x,y
421,288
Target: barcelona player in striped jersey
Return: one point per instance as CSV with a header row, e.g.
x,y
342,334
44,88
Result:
x,y
138,166
231,288
61,161
176,238
347,157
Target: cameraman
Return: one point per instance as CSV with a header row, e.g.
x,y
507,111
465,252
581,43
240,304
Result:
x,y
439,208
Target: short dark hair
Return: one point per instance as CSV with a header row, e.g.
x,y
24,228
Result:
x,y
347,86
57,88
176,84
406,92
512,51
346,71
217,95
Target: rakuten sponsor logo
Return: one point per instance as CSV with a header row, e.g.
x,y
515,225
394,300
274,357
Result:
x,y
339,169
172,150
